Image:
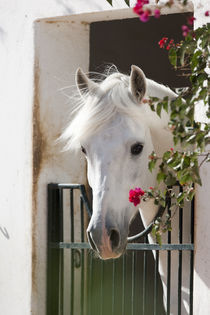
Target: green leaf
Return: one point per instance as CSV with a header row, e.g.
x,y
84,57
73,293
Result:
x,y
110,2
174,114
166,155
170,180
159,108
194,60
175,139
160,176
165,106
172,57
185,162
191,195
190,114
196,174
162,202
158,239
152,164
180,197
127,2
152,107
184,178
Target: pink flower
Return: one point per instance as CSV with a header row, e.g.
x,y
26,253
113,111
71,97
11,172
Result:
x,y
191,20
207,13
135,195
143,2
137,8
162,42
139,191
157,13
185,30
139,5
144,15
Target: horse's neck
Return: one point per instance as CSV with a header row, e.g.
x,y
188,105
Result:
x,y
162,141
162,137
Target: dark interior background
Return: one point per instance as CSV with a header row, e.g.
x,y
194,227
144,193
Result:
x,y
123,43
129,41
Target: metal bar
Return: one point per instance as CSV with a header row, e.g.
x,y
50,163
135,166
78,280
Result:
x,y
72,214
123,283
85,200
72,250
192,257
82,190
180,261
144,281
90,286
134,246
82,258
61,253
169,268
69,186
82,219
113,286
72,283
53,253
133,283
168,247
102,286
156,282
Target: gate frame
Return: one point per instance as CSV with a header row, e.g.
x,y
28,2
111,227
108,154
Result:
x,y
55,247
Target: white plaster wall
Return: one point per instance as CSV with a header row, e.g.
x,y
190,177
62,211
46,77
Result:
x,y
202,211
16,102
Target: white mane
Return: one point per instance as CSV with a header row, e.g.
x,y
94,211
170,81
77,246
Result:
x,y
114,96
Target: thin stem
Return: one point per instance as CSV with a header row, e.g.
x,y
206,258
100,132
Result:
x,y
206,157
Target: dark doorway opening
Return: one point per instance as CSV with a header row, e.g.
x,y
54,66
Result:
x,y
129,41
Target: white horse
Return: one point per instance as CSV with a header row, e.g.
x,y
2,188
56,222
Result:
x,y
117,131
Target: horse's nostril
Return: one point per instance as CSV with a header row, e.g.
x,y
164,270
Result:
x,y
92,244
114,239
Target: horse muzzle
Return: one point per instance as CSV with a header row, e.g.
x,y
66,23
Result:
x,y
106,241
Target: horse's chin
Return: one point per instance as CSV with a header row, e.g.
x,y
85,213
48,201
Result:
x,y
105,253
109,256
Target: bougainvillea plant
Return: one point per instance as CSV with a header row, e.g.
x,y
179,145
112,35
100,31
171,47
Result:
x,y
180,166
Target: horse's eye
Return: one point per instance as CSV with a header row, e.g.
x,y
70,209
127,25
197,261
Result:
x,y
83,149
136,148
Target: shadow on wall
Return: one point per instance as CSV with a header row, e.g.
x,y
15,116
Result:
x,y
3,34
5,233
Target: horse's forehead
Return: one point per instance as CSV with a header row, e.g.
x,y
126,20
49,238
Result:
x,y
117,132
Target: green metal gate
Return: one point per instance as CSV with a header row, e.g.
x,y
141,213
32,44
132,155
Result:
x,y
80,284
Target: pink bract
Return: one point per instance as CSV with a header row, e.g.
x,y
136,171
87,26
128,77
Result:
x,y
157,13
144,16
135,195
191,20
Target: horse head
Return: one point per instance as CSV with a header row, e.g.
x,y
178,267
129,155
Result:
x,y
111,127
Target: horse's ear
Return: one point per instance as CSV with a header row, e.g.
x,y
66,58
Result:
x,y
137,83
84,84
